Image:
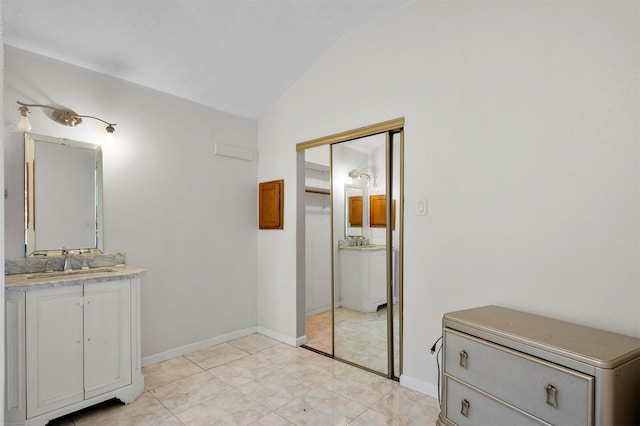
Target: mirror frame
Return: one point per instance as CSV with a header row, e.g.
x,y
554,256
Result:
x,y
30,140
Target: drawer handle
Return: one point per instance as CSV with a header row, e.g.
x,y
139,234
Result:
x,y
552,395
464,357
464,408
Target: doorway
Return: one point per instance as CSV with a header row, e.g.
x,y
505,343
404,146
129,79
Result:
x,y
353,244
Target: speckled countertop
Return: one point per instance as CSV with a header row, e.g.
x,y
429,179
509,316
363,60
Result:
x,y
366,247
39,281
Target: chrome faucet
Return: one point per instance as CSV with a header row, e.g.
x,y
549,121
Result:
x,y
67,260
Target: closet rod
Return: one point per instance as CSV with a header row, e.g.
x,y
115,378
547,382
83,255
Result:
x,y
318,191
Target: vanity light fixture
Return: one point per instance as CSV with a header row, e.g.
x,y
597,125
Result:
x,y
63,116
354,174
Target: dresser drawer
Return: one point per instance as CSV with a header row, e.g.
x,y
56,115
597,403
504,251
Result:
x,y
552,393
465,407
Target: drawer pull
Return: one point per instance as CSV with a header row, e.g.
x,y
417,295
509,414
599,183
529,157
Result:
x,y
464,357
464,409
552,395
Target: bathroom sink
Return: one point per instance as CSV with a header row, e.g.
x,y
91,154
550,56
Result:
x,y
71,273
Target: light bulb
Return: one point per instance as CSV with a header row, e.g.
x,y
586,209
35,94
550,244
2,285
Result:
x,y
23,124
108,138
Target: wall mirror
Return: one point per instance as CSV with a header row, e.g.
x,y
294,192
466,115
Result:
x,y
63,195
353,204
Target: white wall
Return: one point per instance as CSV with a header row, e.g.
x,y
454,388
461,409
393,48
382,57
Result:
x,y
186,216
522,132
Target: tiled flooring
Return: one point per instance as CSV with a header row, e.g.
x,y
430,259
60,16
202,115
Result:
x,y
360,338
258,381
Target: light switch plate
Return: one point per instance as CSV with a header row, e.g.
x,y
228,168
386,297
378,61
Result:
x,y
421,207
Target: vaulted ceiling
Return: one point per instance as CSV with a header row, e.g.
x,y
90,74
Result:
x,y
238,56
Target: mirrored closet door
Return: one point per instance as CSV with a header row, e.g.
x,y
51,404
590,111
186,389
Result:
x,y
363,242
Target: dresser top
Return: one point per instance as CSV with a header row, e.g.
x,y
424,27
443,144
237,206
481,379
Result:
x,y
589,345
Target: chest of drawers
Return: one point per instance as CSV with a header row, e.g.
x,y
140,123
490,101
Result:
x,y
506,367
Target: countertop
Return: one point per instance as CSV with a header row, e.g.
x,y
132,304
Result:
x,y
22,282
366,247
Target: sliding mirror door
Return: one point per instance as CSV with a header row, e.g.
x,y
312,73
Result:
x,y
364,247
360,314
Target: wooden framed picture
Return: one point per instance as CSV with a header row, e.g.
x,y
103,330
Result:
x,y
271,204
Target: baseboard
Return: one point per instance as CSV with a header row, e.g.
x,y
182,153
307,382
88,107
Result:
x,y
419,386
317,311
291,341
192,347
301,340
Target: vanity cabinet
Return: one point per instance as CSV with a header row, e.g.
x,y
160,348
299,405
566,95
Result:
x,y
71,346
363,277
506,367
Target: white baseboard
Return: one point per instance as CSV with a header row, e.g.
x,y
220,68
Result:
x,y
419,386
317,311
291,341
192,347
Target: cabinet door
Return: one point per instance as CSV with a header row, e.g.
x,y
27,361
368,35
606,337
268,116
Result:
x,y
378,277
107,336
54,349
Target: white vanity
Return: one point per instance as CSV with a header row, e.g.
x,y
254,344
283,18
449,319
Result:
x,y
72,341
363,277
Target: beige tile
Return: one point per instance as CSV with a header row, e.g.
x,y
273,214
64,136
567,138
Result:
x,y
232,408
318,370
361,386
168,371
373,418
254,343
190,391
272,419
276,389
171,421
408,407
216,355
321,407
145,410
243,370
283,355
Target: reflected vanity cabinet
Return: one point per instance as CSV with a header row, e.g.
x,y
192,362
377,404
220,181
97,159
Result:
x,y
363,278
506,367
71,346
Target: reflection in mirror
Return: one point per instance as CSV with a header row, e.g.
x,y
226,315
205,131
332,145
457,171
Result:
x,y
63,195
318,314
353,210
360,276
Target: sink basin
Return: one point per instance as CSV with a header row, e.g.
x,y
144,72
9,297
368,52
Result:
x,y
71,273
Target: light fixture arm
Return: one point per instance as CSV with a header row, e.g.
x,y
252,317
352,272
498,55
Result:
x,y
62,116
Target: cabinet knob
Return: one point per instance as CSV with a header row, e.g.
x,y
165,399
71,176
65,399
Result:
x,y
552,395
464,407
464,357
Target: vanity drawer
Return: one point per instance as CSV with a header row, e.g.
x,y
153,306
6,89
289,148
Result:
x,y
552,393
465,406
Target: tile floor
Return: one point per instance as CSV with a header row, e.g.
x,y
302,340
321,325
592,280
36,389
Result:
x,y
259,381
360,338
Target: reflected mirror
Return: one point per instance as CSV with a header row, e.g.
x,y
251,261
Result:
x,y
63,195
353,196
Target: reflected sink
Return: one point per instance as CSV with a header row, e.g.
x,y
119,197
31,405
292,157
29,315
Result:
x,y
71,273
